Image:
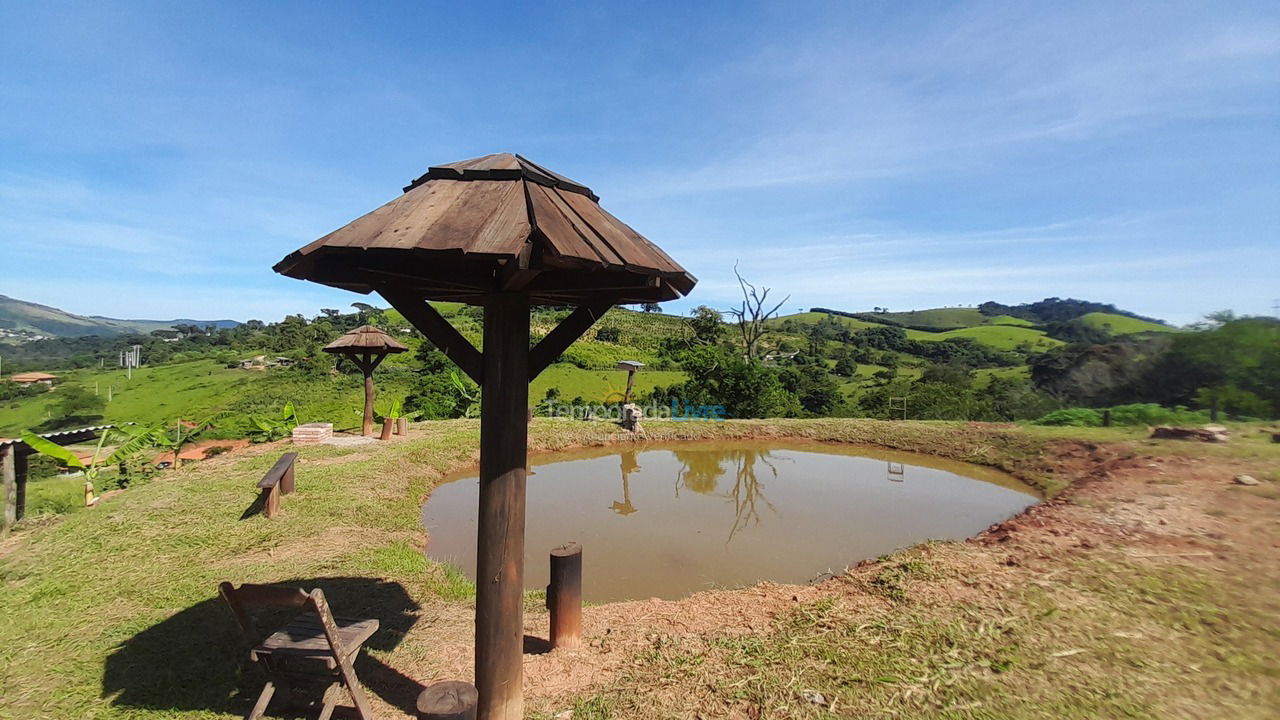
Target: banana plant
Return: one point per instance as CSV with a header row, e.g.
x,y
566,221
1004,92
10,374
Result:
x,y
138,441
469,394
397,411
269,429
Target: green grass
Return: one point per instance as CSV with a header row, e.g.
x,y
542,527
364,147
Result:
x,y
155,393
597,384
1000,337
949,318
196,389
983,377
112,612
1122,324
1108,638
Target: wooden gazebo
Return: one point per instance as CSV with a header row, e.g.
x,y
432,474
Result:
x,y
367,347
505,233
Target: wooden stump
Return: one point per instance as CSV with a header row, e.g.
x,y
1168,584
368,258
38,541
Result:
x,y
402,426
564,596
387,426
449,700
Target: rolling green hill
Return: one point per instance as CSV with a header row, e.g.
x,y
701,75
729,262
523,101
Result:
x,y
1122,325
33,318
1000,337
948,318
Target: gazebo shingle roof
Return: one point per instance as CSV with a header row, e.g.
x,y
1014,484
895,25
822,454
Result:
x,y
365,339
493,224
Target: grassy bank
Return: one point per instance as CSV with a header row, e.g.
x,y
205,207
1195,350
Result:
x,y
111,613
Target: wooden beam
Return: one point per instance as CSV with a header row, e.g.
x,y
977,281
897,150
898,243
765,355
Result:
x,y
560,338
438,330
504,407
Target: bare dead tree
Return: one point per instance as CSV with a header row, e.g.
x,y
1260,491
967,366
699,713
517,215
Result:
x,y
751,316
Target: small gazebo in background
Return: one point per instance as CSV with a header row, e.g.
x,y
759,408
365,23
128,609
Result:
x,y
504,233
367,347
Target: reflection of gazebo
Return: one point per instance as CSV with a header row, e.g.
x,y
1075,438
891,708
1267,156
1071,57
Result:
x,y
629,465
504,233
367,347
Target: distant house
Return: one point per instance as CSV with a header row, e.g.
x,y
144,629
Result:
x,y
31,378
262,362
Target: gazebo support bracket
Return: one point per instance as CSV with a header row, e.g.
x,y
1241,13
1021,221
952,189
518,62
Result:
x,y
438,330
564,334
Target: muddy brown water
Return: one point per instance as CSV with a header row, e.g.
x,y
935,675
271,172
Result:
x,y
669,520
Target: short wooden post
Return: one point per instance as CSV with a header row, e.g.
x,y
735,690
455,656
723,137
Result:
x,y
20,476
504,443
1106,418
402,426
387,426
9,473
564,596
449,700
286,480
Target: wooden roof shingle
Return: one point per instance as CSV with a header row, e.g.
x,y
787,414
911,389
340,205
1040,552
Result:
x,y
493,224
365,339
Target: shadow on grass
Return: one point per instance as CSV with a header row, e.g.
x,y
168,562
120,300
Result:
x,y
196,660
257,507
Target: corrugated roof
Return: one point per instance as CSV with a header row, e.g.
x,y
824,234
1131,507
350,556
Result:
x,y
66,435
365,339
492,224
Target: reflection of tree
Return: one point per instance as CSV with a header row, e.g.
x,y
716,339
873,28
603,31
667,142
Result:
x,y
704,467
747,488
629,465
702,470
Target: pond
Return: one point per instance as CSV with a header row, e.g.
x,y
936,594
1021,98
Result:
x,y
669,520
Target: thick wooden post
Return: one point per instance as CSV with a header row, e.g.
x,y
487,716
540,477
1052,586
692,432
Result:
x,y
564,596
387,426
504,440
369,392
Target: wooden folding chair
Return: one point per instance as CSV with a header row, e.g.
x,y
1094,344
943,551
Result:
x,y
315,645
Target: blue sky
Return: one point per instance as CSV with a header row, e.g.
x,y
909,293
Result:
x,y
157,159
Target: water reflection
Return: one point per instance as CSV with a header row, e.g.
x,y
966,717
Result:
x,y
782,511
629,465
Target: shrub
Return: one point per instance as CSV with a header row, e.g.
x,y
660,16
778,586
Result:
x,y
1072,417
1153,414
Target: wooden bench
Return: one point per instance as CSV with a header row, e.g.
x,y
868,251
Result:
x,y
313,645
278,481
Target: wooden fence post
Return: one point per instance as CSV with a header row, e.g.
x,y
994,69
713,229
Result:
x,y
564,596
9,471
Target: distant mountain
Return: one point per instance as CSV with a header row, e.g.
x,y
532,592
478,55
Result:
x,y
19,318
